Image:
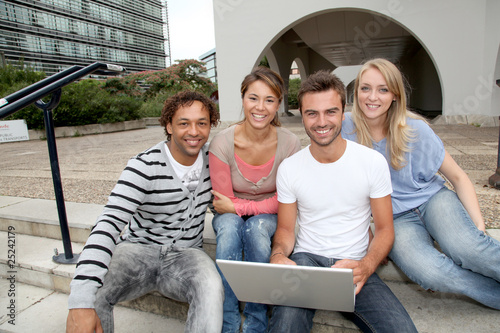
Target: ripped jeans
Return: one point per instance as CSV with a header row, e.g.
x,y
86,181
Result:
x,y
251,237
184,274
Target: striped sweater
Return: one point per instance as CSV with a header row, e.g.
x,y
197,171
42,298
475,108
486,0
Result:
x,y
148,205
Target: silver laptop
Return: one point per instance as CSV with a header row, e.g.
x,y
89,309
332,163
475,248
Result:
x,y
300,286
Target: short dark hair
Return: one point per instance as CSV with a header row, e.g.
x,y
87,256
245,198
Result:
x,y
321,81
186,98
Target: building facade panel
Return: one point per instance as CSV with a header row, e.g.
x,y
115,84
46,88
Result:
x,y
464,69
51,35
209,58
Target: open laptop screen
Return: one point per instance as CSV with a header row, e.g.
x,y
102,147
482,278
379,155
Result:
x,y
322,288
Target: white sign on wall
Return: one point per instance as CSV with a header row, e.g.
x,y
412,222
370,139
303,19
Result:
x,y
13,130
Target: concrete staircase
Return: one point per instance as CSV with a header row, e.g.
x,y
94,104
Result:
x,y
36,228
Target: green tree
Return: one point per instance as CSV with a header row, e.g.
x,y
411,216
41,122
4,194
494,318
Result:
x,y
181,76
293,90
264,62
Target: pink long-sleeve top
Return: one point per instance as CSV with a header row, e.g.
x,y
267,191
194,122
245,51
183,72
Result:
x,y
252,189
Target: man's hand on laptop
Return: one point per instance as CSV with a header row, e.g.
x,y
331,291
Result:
x,y
361,271
280,258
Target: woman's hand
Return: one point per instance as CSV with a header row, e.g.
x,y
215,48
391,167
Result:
x,y
223,204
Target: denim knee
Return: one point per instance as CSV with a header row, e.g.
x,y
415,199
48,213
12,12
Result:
x,y
260,228
207,285
227,223
227,229
256,236
291,319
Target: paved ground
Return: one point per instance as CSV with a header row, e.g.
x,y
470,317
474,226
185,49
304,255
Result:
x,y
90,165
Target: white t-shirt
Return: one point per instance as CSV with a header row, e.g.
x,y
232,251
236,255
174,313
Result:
x,y
333,199
190,174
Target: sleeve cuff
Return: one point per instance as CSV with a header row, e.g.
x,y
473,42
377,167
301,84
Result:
x,y
82,297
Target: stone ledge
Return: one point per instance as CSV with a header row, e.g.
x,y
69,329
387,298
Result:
x,y
475,120
152,121
72,131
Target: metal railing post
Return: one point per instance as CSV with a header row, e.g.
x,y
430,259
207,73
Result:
x,y
67,257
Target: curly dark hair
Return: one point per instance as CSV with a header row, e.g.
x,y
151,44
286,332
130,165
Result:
x,y
186,98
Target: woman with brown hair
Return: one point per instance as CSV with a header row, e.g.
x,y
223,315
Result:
x,y
244,160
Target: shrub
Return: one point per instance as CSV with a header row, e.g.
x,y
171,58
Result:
x,y
91,101
12,75
153,106
85,102
293,90
14,78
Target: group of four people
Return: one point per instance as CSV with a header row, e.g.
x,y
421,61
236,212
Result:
x,y
260,184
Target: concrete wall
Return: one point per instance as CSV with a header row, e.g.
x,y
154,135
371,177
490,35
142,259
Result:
x,y
461,38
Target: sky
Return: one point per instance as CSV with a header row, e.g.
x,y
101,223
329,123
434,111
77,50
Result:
x,y
191,25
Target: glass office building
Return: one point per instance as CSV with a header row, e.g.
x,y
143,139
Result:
x,y
209,58
52,35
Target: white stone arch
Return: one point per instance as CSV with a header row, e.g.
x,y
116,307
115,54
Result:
x,y
427,82
495,101
248,30
348,74
302,69
280,68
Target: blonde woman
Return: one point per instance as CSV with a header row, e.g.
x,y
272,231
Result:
x,y
244,161
424,209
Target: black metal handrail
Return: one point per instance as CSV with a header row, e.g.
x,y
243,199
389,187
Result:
x,y
36,91
34,94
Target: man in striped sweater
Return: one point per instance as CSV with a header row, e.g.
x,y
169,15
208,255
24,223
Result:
x,y
150,234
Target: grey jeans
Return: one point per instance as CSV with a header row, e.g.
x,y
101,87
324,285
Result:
x,y
184,274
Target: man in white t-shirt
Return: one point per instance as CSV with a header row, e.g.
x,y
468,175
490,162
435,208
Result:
x,y
332,188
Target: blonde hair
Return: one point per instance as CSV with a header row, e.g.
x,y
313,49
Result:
x,y
398,133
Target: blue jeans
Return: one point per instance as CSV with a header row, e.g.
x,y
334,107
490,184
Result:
x,y
376,308
184,274
251,237
469,263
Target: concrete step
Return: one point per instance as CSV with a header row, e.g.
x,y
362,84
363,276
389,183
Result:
x,y
34,267
431,312
38,217
45,310
35,225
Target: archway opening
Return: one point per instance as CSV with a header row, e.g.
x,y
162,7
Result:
x,y
338,38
